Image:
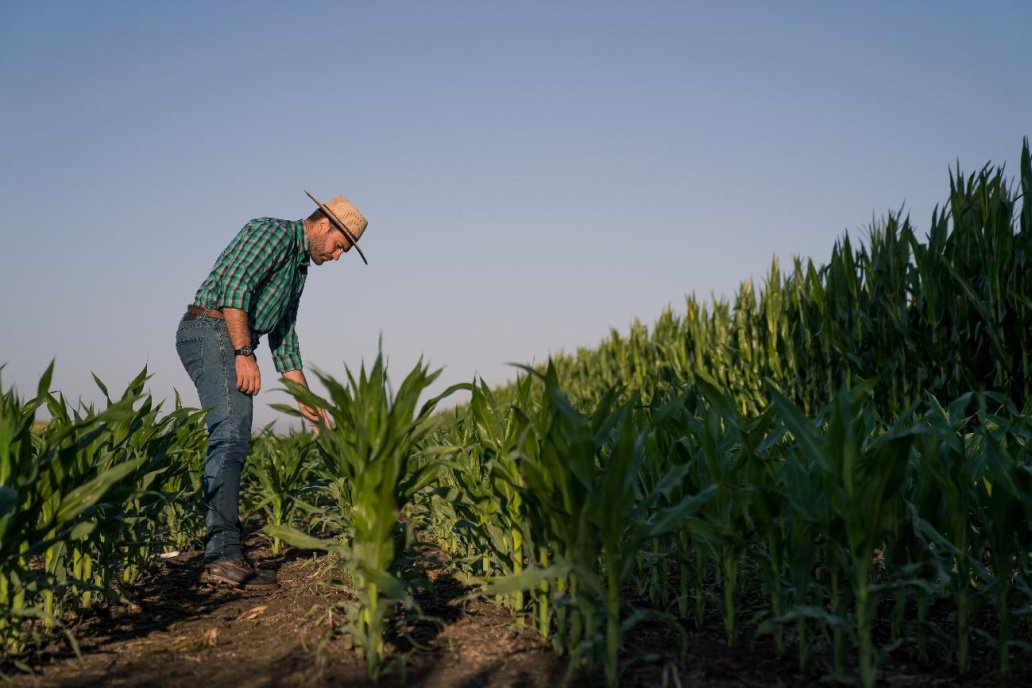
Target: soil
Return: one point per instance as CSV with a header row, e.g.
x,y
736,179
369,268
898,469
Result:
x,y
177,632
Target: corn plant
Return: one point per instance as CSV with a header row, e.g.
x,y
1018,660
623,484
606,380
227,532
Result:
x,y
181,485
372,455
81,498
949,465
1004,508
277,476
862,473
579,477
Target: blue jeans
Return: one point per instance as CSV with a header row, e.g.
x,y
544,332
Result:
x,y
204,347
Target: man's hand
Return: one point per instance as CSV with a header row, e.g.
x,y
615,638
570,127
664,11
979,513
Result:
x,y
249,378
319,418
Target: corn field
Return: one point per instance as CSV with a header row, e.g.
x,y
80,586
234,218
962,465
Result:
x,y
846,448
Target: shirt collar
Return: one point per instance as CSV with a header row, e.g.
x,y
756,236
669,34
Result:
x,y
304,255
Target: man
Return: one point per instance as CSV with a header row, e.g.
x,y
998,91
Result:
x,y
253,290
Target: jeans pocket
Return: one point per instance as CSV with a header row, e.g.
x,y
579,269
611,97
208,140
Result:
x,y
190,353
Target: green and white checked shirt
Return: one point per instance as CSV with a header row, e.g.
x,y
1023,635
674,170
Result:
x,y
262,272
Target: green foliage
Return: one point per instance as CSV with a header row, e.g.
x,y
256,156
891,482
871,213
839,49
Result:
x,y
371,461
802,426
84,500
277,476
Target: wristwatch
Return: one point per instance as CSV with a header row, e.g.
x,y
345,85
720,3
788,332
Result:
x,y
244,351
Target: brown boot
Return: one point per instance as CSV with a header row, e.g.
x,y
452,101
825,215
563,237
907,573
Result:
x,y
239,573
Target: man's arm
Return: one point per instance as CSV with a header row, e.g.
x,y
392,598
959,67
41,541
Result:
x,y
317,417
286,351
249,378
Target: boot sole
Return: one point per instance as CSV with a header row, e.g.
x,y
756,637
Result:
x,y
215,579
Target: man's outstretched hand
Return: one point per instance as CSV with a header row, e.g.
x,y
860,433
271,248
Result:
x,y
319,418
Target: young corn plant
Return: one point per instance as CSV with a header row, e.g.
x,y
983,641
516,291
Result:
x,y
673,444
171,445
180,487
278,469
1005,504
497,434
720,432
580,478
63,497
806,514
862,470
371,453
467,502
556,473
482,491
950,466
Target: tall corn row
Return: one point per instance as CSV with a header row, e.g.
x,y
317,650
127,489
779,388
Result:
x,y
944,316
808,414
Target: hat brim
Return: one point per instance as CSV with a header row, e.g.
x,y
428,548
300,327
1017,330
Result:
x,y
340,225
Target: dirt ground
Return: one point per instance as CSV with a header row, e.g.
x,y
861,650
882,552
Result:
x,y
179,633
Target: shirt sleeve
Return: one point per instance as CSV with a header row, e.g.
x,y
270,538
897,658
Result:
x,y
248,260
286,351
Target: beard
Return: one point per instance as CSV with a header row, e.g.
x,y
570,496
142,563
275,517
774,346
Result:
x,y
317,249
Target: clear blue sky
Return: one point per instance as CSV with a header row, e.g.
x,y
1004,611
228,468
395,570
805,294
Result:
x,y
534,173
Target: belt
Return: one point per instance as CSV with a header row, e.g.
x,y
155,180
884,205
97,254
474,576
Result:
x,y
194,312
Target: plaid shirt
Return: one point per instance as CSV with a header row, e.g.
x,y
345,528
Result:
x,y
262,272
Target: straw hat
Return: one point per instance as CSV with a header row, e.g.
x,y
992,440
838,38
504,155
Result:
x,y
347,219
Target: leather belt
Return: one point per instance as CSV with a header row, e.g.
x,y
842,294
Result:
x,y
194,312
